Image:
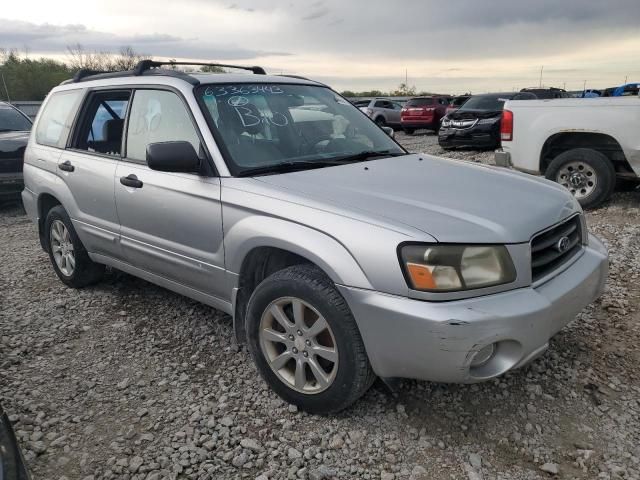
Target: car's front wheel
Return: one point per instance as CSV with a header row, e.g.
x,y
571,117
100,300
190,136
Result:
x,y
305,341
588,174
68,256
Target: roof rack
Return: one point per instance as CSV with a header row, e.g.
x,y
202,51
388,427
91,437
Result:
x,y
149,64
152,67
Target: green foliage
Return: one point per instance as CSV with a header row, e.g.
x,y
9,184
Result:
x,y
29,79
212,69
404,90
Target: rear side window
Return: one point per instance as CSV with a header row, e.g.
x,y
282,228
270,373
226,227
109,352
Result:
x,y
56,118
419,102
158,116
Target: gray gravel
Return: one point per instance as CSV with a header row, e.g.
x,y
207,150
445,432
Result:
x,y
127,380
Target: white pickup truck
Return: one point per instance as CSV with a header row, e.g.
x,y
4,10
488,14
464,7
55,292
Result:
x,y
589,145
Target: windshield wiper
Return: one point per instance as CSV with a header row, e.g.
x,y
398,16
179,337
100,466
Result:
x,y
319,163
366,155
280,168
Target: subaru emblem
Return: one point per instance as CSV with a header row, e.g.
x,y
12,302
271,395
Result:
x,y
563,244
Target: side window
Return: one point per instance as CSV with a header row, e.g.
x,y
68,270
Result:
x,y
381,104
103,123
55,120
158,116
396,106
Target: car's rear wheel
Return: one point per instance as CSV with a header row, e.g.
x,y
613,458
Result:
x,y
380,121
588,174
409,131
68,256
305,341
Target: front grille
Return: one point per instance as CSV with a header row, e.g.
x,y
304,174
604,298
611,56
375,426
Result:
x,y
553,247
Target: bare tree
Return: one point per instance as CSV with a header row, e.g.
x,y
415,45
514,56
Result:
x,y
80,58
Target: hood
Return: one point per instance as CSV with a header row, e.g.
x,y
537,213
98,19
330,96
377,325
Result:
x,y
473,114
452,201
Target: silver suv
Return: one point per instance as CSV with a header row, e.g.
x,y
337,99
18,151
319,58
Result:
x,y
340,256
383,111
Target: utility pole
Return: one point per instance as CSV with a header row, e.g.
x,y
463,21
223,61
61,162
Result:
x,y
406,76
541,68
625,79
5,88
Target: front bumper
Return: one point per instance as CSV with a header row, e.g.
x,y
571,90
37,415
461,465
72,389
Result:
x,y
437,341
478,136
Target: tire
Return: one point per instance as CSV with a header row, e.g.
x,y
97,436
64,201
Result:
x,y
409,131
380,121
587,173
83,271
349,376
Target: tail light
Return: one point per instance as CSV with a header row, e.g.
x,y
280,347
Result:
x,y
506,126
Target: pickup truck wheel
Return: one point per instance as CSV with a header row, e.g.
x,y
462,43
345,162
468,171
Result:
x,y
305,342
68,256
588,174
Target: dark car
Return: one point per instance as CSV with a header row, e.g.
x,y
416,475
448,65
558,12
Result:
x,y
477,123
14,134
12,465
423,112
456,103
547,93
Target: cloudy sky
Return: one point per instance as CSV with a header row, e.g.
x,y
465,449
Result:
x,y
451,46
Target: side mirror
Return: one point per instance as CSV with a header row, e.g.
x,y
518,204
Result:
x,y
389,131
173,157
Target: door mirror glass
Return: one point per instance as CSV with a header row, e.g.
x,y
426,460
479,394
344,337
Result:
x,y
389,131
178,156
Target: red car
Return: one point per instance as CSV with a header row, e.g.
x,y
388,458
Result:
x,y
423,112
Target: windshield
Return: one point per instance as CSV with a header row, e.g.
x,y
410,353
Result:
x,y
485,102
263,125
12,120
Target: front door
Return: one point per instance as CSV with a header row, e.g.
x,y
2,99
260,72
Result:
x,y
170,223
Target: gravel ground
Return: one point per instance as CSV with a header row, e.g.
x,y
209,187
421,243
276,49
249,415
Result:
x,y
127,380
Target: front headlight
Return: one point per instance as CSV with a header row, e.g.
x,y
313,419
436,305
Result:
x,y
446,268
446,122
488,121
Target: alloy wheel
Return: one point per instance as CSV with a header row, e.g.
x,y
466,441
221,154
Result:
x,y
62,248
299,345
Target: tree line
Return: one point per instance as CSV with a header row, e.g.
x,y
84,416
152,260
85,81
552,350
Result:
x,y
26,78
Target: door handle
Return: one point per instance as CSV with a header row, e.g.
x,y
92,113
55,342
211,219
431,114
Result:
x,y
131,181
66,166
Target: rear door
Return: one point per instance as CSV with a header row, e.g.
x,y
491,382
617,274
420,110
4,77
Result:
x,y
171,223
88,169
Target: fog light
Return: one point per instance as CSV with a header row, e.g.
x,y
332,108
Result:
x,y
483,356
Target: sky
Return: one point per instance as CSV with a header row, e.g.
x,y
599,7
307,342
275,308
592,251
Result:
x,y
451,46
